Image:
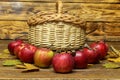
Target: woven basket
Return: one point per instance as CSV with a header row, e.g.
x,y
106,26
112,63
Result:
x,y
56,30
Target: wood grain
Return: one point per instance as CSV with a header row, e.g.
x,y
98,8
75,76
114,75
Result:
x,y
86,11
14,29
94,72
96,1
103,14
110,29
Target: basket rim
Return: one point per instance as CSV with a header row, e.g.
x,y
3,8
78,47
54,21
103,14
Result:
x,y
58,16
41,18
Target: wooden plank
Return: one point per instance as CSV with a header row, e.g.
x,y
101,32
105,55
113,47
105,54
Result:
x,y
112,29
94,72
83,74
109,29
86,11
88,1
97,12
107,38
14,29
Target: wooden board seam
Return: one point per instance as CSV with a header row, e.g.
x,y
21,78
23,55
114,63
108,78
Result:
x,y
67,2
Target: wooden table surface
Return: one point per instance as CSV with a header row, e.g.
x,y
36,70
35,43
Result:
x,y
95,72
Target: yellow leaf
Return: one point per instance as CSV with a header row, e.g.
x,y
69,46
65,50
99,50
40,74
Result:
x,y
20,66
112,54
30,68
117,60
6,51
3,56
27,67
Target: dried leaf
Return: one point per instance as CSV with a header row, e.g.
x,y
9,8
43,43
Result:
x,y
3,56
6,51
112,54
27,67
111,65
20,66
11,62
117,60
30,68
115,50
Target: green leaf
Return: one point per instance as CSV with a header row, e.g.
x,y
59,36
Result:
x,y
11,62
111,65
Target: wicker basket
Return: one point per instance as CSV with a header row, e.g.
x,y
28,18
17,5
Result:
x,y
56,30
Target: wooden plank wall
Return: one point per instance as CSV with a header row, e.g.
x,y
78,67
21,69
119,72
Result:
x,y
103,14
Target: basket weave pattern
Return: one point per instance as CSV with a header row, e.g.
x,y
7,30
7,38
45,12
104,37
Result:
x,y
56,30
57,35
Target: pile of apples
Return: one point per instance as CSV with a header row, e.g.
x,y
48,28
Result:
x,y
28,53
63,62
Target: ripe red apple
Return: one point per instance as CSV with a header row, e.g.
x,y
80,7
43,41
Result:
x,y
18,48
12,45
101,48
63,62
92,56
27,54
81,61
43,57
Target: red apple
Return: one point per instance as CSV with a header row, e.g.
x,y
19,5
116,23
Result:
x,y
63,62
43,57
27,54
12,45
101,48
92,56
81,61
18,48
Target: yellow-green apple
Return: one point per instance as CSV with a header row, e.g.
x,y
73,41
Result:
x,y
43,57
63,62
27,53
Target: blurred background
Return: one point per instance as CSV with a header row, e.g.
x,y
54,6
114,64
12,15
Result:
x,y
102,14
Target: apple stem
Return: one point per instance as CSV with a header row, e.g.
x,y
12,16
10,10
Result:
x,y
87,46
50,46
73,52
59,50
105,39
